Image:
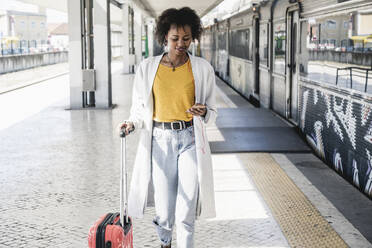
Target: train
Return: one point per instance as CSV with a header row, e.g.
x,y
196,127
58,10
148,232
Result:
x,y
309,61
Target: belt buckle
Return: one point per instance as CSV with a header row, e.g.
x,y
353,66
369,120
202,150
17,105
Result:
x,y
179,122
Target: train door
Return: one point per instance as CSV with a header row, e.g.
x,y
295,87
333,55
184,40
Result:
x,y
291,75
256,58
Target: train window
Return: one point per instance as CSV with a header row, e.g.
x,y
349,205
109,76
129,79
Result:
x,y
222,41
264,38
239,43
279,47
335,49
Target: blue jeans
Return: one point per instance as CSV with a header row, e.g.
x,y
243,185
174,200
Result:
x,y
175,180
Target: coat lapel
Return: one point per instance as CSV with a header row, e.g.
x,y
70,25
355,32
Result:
x,y
196,77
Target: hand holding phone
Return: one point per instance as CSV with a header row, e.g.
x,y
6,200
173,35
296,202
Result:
x,y
197,110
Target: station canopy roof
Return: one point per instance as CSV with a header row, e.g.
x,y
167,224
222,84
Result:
x,y
152,8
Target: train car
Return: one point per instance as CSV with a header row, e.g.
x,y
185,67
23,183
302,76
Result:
x,y
335,95
310,61
240,53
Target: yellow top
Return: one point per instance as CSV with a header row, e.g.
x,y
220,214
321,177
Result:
x,y
174,93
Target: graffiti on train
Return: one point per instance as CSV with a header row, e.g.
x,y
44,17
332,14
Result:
x,y
339,129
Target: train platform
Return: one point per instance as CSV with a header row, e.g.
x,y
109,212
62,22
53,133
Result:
x,y
60,171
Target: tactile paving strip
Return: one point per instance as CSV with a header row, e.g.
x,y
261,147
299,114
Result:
x,y
299,220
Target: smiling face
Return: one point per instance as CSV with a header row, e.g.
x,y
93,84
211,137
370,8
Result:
x,y
179,39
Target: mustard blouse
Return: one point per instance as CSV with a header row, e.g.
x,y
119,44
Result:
x,y
174,93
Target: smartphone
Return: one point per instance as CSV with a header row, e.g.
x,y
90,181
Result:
x,y
199,107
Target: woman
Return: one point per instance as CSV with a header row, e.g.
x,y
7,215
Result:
x,y
173,99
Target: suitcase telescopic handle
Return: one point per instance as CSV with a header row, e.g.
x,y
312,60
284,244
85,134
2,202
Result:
x,y
123,180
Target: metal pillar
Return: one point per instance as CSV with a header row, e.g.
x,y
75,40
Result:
x,y
89,52
125,37
131,45
146,49
102,53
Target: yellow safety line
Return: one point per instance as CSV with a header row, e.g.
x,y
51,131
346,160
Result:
x,y
299,220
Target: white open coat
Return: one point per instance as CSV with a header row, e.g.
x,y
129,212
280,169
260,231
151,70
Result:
x,y
141,114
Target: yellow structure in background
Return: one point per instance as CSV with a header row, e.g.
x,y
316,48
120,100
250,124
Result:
x,y
8,40
8,44
362,38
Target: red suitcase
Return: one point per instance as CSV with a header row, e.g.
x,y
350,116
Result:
x,y
114,230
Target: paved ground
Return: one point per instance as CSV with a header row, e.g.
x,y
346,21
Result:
x,y
346,198
60,171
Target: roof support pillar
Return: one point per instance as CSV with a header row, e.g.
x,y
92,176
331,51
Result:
x,y
125,37
102,53
138,35
89,54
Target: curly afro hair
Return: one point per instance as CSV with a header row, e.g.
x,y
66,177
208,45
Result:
x,y
180,17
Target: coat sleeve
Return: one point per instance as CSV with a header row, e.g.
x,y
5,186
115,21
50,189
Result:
x,y
137,109
210,100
